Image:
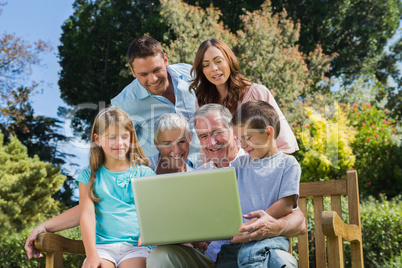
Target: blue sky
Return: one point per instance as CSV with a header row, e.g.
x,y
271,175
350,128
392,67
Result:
x,y
34,20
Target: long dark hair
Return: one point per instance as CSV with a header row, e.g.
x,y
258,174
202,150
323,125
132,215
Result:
x,y
207,92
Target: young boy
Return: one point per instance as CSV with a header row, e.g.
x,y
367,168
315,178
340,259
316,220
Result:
x,y
268,182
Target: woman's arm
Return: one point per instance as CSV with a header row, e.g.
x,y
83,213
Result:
x,y
88,225
68,219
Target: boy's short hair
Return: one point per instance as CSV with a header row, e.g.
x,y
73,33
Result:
x,y
143,47
257,114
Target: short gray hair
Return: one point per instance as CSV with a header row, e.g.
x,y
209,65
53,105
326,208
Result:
x,y
171,121
210,108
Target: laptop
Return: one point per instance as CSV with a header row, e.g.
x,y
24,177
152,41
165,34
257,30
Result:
x,y
187,207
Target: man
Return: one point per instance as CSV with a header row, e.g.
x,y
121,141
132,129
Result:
x,y
212,123
159,88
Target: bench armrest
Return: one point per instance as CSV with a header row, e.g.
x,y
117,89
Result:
x,y
50,242
332,225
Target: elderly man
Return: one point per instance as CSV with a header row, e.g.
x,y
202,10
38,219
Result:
x,y
219,144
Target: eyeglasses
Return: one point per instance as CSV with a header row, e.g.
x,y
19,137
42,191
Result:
x,y
214,134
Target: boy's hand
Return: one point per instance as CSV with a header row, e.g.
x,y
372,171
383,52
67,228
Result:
x,y
261,226
139,241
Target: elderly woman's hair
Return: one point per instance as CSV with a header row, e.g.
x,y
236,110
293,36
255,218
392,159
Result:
x,y
208,109
171,121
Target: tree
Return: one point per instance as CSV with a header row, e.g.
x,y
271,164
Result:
x,y
387,69
92,55
40,134
26,187
16,60
357,30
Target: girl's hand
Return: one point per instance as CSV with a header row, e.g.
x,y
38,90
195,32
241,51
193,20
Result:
x,y
29,244
92,262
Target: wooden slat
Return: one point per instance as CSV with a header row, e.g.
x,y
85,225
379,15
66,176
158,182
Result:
x,y
321,188
354,216
336,204
54,259
302,240
353,198
320,249
335,252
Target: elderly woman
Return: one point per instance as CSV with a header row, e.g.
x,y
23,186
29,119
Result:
x,y
172,138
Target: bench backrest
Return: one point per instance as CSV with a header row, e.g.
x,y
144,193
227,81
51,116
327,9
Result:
x,y
334,189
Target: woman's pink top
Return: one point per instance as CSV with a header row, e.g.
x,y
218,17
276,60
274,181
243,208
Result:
x,y
286,141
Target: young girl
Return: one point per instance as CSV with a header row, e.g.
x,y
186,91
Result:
x,y
108,216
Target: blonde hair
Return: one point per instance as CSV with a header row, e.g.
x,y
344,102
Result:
x,y
105,118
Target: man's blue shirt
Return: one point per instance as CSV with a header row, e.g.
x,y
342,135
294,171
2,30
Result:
x,y
145,108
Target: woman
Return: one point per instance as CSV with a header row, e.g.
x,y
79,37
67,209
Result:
x,y
217,79
172,138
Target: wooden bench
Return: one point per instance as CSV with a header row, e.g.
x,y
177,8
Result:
x,y
330,230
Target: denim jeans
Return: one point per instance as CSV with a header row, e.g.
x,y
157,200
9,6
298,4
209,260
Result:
x,y
262,253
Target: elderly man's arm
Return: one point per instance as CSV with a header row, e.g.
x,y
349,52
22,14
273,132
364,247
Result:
x,y
66,220
262,226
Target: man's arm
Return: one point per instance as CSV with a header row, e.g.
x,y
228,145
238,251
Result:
x,y
68,219
262,225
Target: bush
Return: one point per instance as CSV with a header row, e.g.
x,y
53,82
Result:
x,y
13,253
377,150
382,231
325,144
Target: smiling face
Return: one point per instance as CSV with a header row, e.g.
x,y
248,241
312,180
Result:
x,y
258,144
115,143
174,147
216,139
151,72
215,67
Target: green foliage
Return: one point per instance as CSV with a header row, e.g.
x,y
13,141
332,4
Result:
x,y
357,30
231,10
14,255
92,55
377,149
191,25
269,55
381,231
26,187
325,144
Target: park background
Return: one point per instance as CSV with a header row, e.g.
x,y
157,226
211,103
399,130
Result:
x,y
333,67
